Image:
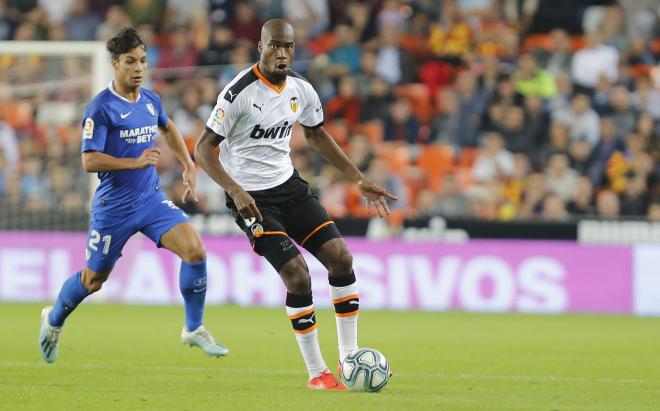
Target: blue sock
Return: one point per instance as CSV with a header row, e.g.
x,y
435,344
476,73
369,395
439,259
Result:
x,y
71,294
192,283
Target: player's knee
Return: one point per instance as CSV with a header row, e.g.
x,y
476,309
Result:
x,y
92,280
341,262
194,253
295,275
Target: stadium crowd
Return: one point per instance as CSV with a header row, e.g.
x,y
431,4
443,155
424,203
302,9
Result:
x,y
490,109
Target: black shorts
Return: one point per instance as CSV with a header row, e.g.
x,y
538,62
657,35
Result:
x,y
290,212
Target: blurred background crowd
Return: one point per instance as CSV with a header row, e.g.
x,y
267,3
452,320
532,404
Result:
x,y
491,109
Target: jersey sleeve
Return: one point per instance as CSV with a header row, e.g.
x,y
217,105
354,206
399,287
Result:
x,y
162,114
312,114
95,130
224,115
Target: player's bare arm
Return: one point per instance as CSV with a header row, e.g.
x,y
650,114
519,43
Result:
x,y
206,158
175,142
321,141
97,162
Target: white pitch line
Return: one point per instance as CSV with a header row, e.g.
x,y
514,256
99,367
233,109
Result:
x,y
285,371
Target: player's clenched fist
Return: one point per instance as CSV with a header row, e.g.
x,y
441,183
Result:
x,y
149,157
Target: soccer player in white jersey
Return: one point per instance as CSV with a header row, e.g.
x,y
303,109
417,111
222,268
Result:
x,y
252,123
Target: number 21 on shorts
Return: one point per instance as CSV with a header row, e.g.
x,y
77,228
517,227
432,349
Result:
x,y
95,238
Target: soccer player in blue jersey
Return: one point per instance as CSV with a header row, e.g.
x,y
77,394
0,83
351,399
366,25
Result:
x,y
120,128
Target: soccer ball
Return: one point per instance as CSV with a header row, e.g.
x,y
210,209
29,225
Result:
x,y
365,370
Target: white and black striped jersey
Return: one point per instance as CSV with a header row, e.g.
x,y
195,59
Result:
x,y
255,118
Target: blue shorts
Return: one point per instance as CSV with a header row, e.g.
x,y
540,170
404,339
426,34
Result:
x,y
109,231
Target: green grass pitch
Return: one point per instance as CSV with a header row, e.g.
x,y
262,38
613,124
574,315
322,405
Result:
x,y
119,357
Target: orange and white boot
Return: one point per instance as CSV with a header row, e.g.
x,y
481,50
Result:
x,y
326,381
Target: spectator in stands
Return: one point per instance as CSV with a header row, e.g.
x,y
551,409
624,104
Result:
x,y
592,61
582,120
179,51
401,124
245,23
81,22
346,104
426,205
558,59
532,80
445,127
506,94
607,204
580,156
554,208
179,12
451,201
145,11
367,72
493,161
394,64
649,134
472,102
653,211
315,12
346,57
450,38
558,141
360,152
582,203
602,95
559,177
607,145
115,20
536,121
220,47
190,117
377,102
33,181
646,97
623,114
513,131
634,199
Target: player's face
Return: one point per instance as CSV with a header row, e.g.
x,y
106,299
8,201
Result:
x,y
130,68
277,53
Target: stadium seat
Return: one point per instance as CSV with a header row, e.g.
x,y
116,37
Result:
x,y
537,41
397,155
414,44
436,160
324,43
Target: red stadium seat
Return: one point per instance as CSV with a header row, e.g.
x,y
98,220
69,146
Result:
x,y
436,160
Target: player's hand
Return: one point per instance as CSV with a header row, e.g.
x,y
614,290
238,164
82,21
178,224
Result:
x,y
246,205
376,196
190,183
149,157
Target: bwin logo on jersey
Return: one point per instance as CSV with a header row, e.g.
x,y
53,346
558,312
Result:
x,y
273,132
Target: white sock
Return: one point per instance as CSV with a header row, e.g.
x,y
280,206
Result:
x,y
303,320
347,308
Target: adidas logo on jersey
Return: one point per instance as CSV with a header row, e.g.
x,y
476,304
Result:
x,y
273,132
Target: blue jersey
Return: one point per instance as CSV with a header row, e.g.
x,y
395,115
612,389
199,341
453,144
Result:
x,y
121,128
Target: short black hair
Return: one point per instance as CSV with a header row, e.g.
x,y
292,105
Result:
x,y
126,40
